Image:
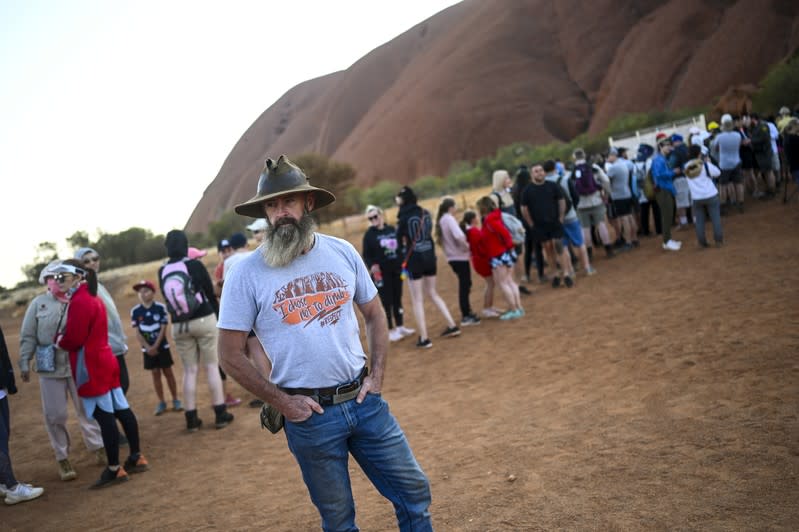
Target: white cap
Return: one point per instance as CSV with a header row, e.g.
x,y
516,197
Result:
x,y
258,225
47,271
725,118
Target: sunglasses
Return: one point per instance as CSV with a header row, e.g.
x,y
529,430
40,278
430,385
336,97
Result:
x,y
373,217
258,231
87,260
61,277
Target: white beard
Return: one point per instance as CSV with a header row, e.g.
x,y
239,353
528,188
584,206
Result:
x,y
285,242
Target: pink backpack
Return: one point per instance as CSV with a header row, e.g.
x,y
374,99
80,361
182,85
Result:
x,y
181,297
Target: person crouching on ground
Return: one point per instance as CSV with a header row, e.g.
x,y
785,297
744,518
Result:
x,y
299,295
96,371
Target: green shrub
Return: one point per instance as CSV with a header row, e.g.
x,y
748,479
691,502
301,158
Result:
x,y
780,87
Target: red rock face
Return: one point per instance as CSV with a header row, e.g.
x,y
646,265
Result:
x,y
481,75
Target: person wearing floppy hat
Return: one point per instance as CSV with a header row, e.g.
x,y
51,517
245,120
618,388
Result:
x,y
96,371
149,319
299,294
42,322
116,334
663,176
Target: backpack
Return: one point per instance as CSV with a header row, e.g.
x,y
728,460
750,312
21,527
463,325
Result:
x,y
514,227
182,299
508,209
649,185
572,198
585,182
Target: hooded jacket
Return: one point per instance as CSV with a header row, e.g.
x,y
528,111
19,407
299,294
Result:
x,y
39,328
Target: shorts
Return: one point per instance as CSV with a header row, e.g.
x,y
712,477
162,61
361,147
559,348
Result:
x,y
591,216
623,207
683,196
162,359
764,161
734,176
573,234
506,259
195,341
544,233
422,265
110,402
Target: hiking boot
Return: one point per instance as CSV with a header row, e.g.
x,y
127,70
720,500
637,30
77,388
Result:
x,y
136,464
177,406
109,477
160,409
555,282
568,281
471,319
223,417
21,492
424,344
193,423
449,332
100,457
65,470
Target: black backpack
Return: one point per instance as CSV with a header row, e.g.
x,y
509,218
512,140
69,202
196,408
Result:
x,y
572,198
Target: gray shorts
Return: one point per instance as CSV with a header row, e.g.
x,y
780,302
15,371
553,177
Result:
x,y
591,216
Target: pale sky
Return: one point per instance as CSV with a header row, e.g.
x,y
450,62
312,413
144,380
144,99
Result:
x,y
115,114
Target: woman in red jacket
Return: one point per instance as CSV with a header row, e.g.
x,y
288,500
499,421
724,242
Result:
x,y
96,371
498,246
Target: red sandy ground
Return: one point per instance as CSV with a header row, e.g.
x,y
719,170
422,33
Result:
x,y
660,394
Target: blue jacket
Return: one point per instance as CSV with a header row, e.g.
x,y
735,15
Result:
x,y
662,174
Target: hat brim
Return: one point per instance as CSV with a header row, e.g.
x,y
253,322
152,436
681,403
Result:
x,y
139,286
254,206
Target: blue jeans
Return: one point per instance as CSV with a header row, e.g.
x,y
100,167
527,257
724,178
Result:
x,y
713,207
322,444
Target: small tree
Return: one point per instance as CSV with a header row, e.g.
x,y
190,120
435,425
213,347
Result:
x,y
45,253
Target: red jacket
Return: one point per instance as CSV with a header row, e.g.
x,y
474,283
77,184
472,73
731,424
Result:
x,y
480,262
87,327
496,237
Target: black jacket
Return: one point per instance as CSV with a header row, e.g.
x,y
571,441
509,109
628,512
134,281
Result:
x,y
6,369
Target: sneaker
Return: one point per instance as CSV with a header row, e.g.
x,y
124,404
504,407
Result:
x,y
490,313
590,271
524,290
511,315
232,401
100,457
568,281
404,331
671,245
424,344
65,470
137,464
394,335
450,332
555,282
109,477
255,403
177,406
471,319
4,489
160,409
22,492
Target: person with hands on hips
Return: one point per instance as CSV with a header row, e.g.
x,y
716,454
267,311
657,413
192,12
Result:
x,y
299,294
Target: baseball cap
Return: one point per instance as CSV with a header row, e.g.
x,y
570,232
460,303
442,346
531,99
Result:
x,y
661,138
144,284
712,125
238,240
613,151
725,118
80,252
224,243
47,271
195,253
257,225
676,138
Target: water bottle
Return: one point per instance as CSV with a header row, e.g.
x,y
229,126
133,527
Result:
x,y
378,277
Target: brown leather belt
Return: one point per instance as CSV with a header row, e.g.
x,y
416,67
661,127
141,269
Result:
x,y
332,395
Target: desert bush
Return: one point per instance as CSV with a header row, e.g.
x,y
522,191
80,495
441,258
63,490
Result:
x,y
779,87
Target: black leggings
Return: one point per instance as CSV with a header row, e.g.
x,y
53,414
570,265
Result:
x,y
6,473
464,273
655,208
110,433
391,298
124,379
530,245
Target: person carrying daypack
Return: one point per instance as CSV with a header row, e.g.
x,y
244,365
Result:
x,y
592,186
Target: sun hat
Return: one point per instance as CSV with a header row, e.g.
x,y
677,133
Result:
x,y
144,284
257,225
47,271
279,179
195,253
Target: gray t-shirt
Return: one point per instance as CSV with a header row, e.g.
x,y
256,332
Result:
x,y
619,175
304,313
726,147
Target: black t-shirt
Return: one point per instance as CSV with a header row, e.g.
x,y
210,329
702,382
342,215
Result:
x,y
542,201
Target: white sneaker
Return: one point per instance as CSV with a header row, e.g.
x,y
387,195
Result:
x,y
394,335
490,313
671,245
4,489
404,331
21,493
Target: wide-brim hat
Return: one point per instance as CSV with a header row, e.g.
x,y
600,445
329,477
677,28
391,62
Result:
x,y
279,179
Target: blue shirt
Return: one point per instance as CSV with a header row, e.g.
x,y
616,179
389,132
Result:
x,y
149,322
662,174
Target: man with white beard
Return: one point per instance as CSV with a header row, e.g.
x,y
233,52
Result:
x,y
299,295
